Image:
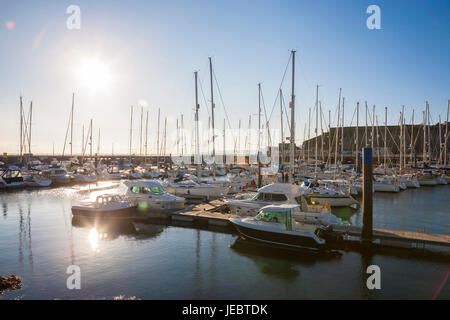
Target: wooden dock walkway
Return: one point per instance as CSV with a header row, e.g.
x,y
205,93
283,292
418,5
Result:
x,y
215,213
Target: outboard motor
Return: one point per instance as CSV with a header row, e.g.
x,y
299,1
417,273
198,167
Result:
x,y
328,234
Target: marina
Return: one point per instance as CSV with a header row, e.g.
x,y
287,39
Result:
x,y
140,162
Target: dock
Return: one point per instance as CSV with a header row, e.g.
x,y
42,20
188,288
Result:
x,y
216,213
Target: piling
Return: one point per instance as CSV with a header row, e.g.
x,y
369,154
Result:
x,y
367,232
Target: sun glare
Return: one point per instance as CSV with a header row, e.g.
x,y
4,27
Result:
x,y
94,74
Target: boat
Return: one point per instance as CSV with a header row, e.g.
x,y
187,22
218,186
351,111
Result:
x,y
275,193
11,177
324,194
131,174
275,225
111,172
409,180
59,175
385,184
426,179
37,178
84,175
151,196
105,206
188,188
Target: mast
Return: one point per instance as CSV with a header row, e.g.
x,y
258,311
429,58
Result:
x,y
412,138
224,152
329,138
321,132
424,156
342,135
281,127
401,140
197,135
430,156
157,141
292,134
357,136
317,124
212,115
446,136
365,131
337,131
90,140
131,130
440,141
309,133
146,137
404,137
178,138
140,132
373,128
183,139
71,123
29,132
21,129
385,138
259,137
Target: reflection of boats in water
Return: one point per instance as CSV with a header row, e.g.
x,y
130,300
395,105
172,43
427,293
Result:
x,y
111,229
279,262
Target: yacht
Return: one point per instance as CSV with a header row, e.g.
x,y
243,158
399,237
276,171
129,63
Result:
x,y
426,179
386,184
275,225
105,206
111,172
11,177
151,196
275,193
37,178
325,193
187,187
84,175
59,175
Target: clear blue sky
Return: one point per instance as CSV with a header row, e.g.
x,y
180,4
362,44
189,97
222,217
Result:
x,y
151,49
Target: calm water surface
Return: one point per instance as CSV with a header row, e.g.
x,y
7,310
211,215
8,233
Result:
x,y
39,240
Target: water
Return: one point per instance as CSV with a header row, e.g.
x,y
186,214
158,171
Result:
x,y
39,240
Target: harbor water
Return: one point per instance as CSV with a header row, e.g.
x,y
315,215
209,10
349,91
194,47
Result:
x,y
39,240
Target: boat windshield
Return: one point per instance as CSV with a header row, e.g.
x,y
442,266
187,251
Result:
x,y
272,197
154,190
270,216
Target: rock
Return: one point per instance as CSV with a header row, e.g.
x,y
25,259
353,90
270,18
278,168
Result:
x,y
11,282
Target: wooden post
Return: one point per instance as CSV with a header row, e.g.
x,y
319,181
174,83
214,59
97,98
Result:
x,y
366,235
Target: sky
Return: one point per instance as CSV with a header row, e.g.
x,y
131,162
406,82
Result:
x,y
144,54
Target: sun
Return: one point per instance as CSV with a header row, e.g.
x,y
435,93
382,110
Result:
x,y
94,75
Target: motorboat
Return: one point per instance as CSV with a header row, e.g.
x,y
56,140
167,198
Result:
x,y
111,172
151,196
409,180
59,175
275,225
325,193
37,178
105,206
187,188
11,177
84,175
131,174
275,193
385,184
426,179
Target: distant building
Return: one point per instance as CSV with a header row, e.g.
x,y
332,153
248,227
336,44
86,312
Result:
x,y
413,141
